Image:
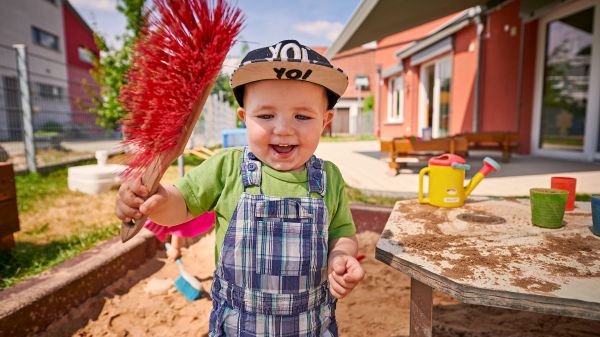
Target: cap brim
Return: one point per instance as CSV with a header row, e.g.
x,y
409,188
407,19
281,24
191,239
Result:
x,y
331,78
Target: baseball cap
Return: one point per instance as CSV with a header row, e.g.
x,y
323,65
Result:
x,y
289,60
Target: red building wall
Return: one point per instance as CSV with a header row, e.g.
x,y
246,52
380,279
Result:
x,y
527,91
357,61
385,56
464,69
499,76
81,84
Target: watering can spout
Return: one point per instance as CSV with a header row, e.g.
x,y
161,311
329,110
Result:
x,y
489,166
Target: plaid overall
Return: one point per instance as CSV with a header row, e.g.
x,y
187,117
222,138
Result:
x,y
271,279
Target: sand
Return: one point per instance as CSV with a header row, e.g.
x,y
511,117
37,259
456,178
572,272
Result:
x,y
144,303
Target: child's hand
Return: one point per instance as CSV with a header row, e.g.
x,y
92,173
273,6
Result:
x,y
344,274
173,253
131,200
174,249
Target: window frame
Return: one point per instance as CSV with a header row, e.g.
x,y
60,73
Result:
x,y
85,50
395,111
50,92
36,34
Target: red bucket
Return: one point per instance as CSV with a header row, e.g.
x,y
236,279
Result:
x,y
566,184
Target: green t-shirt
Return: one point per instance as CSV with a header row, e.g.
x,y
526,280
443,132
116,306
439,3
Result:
x,y
217,185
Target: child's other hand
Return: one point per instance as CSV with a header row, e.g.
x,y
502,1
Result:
x,y
173,253
344,274
131,200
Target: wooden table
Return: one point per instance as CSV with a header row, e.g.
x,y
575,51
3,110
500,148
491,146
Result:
x,y
501,260
403,151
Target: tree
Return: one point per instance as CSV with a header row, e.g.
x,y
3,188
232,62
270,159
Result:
x,y
368,103
109,71
222,85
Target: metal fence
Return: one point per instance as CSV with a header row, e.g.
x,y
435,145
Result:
x,y
46,112
43,104
364,123
216,117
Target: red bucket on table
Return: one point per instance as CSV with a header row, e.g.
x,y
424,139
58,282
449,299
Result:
x,y
567,184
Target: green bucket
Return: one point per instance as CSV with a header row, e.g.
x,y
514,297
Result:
x,y
548,207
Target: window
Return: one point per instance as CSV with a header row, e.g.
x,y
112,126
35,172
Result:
x,y
85,55
44,39
49,91
396,100
362,82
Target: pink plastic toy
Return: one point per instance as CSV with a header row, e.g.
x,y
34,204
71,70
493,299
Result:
x,y
194,227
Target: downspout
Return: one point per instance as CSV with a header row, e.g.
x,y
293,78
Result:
x,y
477,73
520,76
378,102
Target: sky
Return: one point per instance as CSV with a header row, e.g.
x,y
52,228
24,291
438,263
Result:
x,y
312,22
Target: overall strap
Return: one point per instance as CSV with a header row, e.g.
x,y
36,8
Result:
x,y
251,169
315,169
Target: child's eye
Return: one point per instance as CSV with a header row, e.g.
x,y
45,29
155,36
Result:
x,y
265,116
303,117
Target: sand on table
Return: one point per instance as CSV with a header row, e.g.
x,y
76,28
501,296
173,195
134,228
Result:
x,y
144,303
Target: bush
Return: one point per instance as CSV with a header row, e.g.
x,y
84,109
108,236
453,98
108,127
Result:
x,y
52,126
3,154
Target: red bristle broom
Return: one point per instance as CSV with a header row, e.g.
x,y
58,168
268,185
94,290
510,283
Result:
x,y
174,66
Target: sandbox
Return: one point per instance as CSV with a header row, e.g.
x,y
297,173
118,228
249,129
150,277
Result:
x,y
144,302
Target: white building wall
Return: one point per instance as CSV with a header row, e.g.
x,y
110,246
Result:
x,y
16,20
47,66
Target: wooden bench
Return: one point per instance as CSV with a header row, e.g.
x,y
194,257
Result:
x,y
9,214
504,142
403,151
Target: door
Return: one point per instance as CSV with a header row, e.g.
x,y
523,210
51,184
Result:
x,y
436,78
567,107
12,101
341,121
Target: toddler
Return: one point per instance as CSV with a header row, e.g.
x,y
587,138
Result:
x,y
285,241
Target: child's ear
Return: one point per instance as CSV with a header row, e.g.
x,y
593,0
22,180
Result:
x,y
327,118
241,113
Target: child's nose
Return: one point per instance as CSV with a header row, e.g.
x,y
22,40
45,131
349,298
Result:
x,y
283,128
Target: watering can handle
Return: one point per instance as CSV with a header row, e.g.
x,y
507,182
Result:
x,y
421,174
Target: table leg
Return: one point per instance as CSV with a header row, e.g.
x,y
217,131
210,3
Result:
x,y
421,303
7,242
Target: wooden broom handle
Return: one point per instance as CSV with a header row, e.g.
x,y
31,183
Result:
x,y
157,168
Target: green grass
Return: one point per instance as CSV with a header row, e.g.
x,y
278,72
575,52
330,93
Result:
x,y
190,160
583,197
563,141
578,197
347,138
355,195
28,259
33,187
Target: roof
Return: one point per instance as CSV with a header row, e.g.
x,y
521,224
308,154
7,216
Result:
x,y
375,19
74,11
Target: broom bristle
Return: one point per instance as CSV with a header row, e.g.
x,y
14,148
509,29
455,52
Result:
x,y
180,52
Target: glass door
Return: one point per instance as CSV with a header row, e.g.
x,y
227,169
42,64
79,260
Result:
x,y
566,82
436,78
441,110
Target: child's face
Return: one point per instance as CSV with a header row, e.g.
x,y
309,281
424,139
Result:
x,y
284,119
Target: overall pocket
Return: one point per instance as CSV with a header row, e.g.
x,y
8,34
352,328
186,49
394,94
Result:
x,y
282,247
287,241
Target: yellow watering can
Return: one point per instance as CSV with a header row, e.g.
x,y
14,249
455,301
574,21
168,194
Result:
x,y
446,179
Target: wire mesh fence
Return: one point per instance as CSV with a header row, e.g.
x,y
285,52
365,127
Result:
x,y
62,124
51,99
364,123
217,116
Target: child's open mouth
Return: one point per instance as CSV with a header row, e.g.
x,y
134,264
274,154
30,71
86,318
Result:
x,y
283,149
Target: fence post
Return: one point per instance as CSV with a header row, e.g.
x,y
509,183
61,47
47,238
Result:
x,y
23,75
